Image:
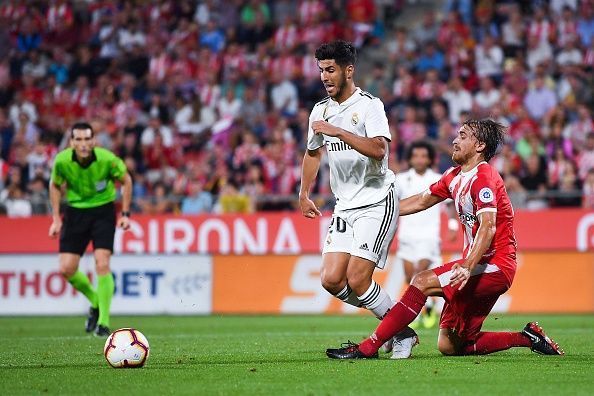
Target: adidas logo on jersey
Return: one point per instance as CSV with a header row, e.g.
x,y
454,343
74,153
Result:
x,y
364,247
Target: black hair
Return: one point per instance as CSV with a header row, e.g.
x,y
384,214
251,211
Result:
x,y
421,144
343,52
489,132
81,125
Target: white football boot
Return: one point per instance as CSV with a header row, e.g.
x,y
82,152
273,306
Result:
x,y
403,343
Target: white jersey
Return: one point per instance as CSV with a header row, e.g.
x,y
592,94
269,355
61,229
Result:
x,y
355,179
423,225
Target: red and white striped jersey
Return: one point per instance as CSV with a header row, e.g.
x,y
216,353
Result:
x,y
474,192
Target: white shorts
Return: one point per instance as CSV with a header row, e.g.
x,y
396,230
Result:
x,y
365,232
421,249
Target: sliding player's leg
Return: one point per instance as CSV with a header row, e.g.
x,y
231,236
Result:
x,y
396,320
464,314
429,316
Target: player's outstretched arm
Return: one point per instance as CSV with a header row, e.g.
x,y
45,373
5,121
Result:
x,y
375,147
309,171
418,202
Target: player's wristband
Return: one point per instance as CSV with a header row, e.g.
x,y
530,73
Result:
x,y
453,225
125,214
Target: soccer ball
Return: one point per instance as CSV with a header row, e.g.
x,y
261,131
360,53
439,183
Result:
x,y
126,348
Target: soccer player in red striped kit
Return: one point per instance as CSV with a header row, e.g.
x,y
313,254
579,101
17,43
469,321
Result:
x,y
472,285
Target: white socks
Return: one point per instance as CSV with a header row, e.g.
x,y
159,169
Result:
x,y
376,300
348,296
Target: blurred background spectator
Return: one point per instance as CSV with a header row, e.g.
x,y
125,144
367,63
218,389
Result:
x,y
207,101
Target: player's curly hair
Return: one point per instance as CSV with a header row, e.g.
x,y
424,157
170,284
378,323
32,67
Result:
x,y
343,52
422,144
489,132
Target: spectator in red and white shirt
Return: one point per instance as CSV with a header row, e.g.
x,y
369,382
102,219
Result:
x,y
566,27
310,9
585,160
541,28
287,35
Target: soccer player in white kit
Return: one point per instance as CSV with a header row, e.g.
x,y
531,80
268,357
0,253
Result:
x,y
353,126
418,234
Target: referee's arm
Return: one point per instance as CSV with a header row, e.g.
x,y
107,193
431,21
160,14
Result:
x,y
126,181
55,194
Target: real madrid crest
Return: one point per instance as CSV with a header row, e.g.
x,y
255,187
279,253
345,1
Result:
x,y
355,119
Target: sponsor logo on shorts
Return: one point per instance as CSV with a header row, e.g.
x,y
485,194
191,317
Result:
x,y
364,247
486,195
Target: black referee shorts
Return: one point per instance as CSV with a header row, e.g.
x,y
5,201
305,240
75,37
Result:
x,y
81,226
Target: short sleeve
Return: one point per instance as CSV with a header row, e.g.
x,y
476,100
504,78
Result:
x,y
376,122
441,187
118,168
314,141
57,177
483,194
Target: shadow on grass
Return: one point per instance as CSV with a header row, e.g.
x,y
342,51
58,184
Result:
x,y
49,366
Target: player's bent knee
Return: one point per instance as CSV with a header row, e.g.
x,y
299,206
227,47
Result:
x,y
102,267
425,281
447,350
68,266
67,272
333,283
446,347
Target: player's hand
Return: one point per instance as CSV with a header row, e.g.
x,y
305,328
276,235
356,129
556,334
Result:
x,y
460,276
326,128
124,223
308,208
55,228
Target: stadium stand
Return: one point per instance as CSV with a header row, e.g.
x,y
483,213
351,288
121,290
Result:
x,y
208,101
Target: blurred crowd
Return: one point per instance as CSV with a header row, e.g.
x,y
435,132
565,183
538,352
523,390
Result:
x,y
208,101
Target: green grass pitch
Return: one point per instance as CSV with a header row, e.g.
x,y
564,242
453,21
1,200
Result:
x,y
276,355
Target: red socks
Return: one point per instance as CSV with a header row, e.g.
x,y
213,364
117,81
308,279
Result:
x,y
489,342
400,316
